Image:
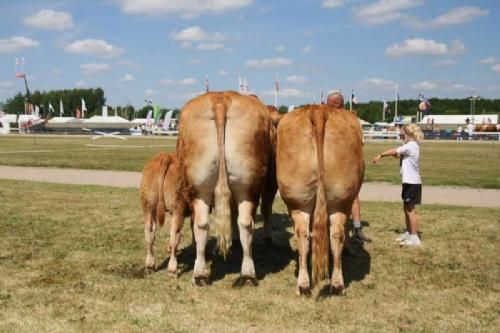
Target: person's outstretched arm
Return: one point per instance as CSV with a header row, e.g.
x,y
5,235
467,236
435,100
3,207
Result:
x,y
390,152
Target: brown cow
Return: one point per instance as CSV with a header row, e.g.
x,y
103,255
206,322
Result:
x,y
160,192
320,170
224,150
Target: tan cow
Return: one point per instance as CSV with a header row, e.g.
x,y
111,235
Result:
x,y
224,149
320,170
160,192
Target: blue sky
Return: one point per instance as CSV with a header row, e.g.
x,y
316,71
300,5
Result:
x,y
164,49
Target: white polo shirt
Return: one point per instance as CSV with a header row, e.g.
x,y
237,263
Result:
x,y
409,162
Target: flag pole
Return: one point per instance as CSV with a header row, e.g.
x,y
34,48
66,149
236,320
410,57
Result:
x,y
350,102
397,99
383,110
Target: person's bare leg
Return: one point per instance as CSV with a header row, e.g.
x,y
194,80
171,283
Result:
x,y
356,220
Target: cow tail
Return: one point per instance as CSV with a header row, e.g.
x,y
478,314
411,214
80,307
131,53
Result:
x,y
160,207
320,240
222,192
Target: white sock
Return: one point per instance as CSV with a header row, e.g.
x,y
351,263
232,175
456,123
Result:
x,y
357,224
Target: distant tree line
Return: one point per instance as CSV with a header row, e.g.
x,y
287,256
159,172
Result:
x,y
71,99
372,111
95,100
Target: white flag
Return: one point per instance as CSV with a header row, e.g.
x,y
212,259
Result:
x,y
61,108
240,84
246,90
166,122
105,111
51,108
37,111
84,108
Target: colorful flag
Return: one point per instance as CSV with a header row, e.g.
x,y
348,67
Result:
x,y
157,113
84,108
421,97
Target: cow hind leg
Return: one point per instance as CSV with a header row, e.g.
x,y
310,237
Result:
x,y
301,222
266,211
337,241
149,237
245,227
201,228
175,237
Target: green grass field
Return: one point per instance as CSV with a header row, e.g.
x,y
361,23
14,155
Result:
x,y
442,163
71,260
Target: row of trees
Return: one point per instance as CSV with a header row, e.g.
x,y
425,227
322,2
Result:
x,y
95,99
72,99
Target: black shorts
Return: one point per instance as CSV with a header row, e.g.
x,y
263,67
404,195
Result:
x,y
411,194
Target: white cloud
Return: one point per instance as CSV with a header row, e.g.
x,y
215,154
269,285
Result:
x,y
95,47
6,84
127,78
379,83
80,84
268,63
458,15
286,93
457,47
210,46
424,85
128,63
489,61
150,92
332,4
296,79
444,62
384,11
184,8
222,73
444,85
189,96
95,68
184,82
195,61
306,49
197,34
496,68
50,20
16,44
419,46
280,48
56,72
186,45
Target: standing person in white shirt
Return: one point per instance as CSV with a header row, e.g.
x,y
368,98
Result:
x,y
409,154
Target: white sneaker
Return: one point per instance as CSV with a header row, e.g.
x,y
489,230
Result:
x,y
401,238
412,240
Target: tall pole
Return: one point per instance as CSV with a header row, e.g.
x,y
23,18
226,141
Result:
x,y
396,105
350,102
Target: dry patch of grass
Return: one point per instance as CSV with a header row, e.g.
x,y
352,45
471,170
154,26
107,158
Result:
x,y
71,259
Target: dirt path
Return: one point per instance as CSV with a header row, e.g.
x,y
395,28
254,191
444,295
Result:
x,y
458,196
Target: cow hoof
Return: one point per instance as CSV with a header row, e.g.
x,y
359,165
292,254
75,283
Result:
x,y
304,291
250,280
337,290
200,281
149,270
246,281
